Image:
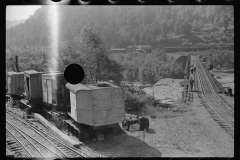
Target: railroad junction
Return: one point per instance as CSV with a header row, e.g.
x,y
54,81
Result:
x,y
205,129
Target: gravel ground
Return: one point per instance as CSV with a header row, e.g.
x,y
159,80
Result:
x,y
225,79
194,134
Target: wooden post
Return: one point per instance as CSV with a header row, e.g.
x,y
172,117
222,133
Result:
x,y
185,90
16,63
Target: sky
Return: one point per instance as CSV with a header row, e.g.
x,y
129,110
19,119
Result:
x,y
20,12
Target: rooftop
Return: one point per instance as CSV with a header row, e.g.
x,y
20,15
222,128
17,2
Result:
x,y
88,87
142,46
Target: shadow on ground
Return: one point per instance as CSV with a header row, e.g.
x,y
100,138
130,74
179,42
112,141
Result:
x,y
123,145
151,131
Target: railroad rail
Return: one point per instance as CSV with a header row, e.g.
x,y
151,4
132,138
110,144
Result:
x,y
64,150
221,100
16,146
27,144
219,110
213,86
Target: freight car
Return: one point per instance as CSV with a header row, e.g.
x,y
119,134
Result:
x,y
82,110
55,94
33,86
15,83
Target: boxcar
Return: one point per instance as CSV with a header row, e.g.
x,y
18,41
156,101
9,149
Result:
x,y
55,93
96,106
15,83
33,86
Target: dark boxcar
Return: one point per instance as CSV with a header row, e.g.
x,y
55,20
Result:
x,y
33,86
55,93
15,83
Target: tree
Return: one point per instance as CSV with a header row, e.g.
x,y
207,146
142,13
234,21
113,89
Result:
x,y
96,59
216,19
186,28
164,28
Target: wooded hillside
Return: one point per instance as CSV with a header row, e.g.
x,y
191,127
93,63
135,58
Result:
x,y
124,25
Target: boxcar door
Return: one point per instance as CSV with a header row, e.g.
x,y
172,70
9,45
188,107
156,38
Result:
x,y
45,93
49,88
27,87
9,84
54,91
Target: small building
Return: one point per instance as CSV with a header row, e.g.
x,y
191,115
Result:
x,y
96,106
147,48
131,48
55,93
117,50
15,83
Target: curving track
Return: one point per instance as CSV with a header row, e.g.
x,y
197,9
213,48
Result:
x,y
58,148
218,108
31,145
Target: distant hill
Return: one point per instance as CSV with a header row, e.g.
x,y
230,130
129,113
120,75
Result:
x,y
13,23
159,26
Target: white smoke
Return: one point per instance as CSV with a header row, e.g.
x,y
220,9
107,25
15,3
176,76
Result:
x,y
53,21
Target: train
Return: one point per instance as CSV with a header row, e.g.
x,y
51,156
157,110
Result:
x,y
84,111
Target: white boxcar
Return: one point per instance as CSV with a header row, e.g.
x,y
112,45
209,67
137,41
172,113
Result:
x,y
96,106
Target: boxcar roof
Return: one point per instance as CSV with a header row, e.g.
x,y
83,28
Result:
x,y
78,87
12,72
30,72
52,75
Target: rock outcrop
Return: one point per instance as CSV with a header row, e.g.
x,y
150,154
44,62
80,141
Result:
x,y
166,90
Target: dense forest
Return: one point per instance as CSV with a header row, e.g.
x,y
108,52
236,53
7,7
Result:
x,y
124,25
13,23
86,33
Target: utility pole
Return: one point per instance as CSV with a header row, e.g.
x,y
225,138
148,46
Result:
x,y
16,64
185,90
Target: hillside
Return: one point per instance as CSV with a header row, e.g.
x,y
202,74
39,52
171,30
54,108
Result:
x,y
164,26
13,23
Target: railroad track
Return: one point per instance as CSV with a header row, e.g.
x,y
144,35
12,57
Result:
x,y
61,148
31,145
16,146
213,86
219,110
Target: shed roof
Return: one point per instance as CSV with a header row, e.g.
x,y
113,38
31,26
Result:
x,y
142,46
113,49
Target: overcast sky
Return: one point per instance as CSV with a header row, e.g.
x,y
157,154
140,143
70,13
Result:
x,y
20,12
